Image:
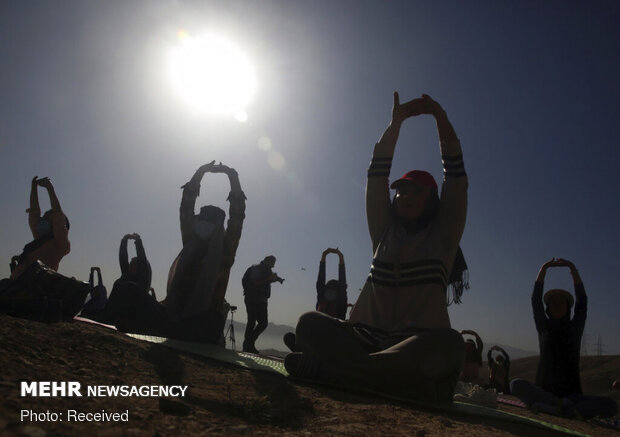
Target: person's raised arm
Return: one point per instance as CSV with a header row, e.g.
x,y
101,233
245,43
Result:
x,y
99,276
480,346
342,274
191,191
490,360
581,299
377,183
47,184
123,258
141,255
236,215
34,211
320,280
537,304
91,278
233,178
506,364
453,205
505,354
144,270
60,224
479,343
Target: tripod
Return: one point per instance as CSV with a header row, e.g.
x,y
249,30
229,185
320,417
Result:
x,y
230,332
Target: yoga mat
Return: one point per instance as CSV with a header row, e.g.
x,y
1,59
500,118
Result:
x,y
93,322
269,364
257,362
457,407
242,359
511,401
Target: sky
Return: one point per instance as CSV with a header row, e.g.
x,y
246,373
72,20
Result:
x,y
531,88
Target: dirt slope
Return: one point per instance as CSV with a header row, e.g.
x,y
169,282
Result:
x,y
221,399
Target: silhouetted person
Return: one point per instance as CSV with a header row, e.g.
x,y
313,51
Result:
x,y
93,309
50,231
499,370
131,306
199,275
138,270
398,338
558,384
473,357
332,296
35,290
257,282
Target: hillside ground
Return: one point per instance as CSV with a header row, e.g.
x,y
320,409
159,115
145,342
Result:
x,y
223,399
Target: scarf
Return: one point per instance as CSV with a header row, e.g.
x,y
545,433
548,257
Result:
x,y
458,280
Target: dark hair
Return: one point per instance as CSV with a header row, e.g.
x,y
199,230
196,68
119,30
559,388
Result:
x,y
332,283
212,214
47,214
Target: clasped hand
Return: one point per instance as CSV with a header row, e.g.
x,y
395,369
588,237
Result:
x,y
412,108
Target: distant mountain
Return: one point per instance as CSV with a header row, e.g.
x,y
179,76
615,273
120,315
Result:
x,y
270,339
272,329
278,330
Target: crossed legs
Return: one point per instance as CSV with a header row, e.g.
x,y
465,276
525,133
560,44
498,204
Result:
x,y
425,366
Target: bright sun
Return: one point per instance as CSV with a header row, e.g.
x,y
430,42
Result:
x,y
212,75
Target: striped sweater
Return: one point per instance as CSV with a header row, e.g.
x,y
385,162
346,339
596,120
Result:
x,y
406,286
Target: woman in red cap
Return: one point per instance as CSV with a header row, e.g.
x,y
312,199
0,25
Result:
x,y
398,338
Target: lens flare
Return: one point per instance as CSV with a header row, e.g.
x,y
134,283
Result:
x,y
264,144
275,160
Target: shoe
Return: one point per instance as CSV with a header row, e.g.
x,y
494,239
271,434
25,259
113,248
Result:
x,y
479,396
302,365
250,348
463,388
289,341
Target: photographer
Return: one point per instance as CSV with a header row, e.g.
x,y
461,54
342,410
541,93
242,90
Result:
x,y
257,282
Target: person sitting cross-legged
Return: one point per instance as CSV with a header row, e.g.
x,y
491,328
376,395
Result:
x,y
558,384
398,338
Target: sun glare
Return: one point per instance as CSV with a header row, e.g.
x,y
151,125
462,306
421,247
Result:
x,y
212,75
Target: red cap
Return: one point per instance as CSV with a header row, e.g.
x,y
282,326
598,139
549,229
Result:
x,y
419,177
